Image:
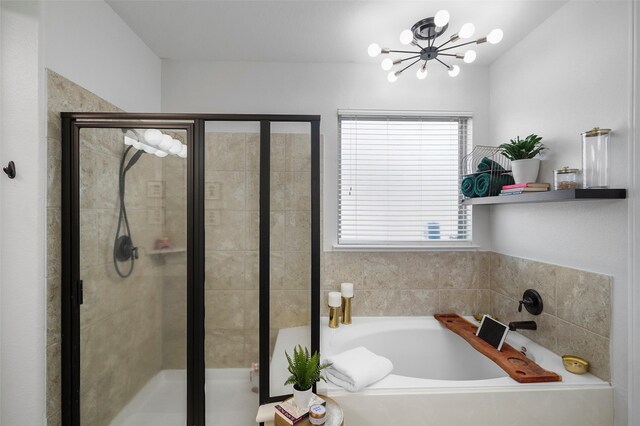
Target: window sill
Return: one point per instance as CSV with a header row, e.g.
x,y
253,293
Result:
x,y
415,247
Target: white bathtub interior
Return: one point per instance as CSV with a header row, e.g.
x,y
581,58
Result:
x,y
162,401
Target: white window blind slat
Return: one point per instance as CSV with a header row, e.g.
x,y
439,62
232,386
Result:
x,y
399,178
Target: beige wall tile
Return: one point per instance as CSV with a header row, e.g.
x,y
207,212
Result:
x,y
584,299
542,278
252,270
53,310
54,383
298,152
55,419
419,302
385,271
224,270
229,234
225,309
504,275
278,152
54,243
290,308
484,301
54,168
297,230
574,340
298,191
483,269
225,151
462,302
457,270
232,191
297,271
340,267
253,152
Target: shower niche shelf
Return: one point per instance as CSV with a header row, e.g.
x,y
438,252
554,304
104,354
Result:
x,y
167,251
551,196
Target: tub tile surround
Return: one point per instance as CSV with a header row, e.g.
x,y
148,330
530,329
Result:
x,y
577,304
577,307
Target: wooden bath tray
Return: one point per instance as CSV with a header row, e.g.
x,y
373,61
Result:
x,y
517,365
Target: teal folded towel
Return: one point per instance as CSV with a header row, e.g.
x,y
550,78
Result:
x,y
490,184
486,164
482,185
468,186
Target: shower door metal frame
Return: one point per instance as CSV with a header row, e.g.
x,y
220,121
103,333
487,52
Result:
x,y
71,297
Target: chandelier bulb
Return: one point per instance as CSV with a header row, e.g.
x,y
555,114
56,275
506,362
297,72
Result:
x,y
374,50
406,37
392,77
422,72
387,64
442,18
470,56
495,36
454,71
467,30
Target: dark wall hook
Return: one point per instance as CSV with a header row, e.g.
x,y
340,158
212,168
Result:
x,y
10,170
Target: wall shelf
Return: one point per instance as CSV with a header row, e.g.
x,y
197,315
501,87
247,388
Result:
x,y
167,251
551,196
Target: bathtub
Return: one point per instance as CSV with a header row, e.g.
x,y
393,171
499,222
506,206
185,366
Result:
x,y
439,379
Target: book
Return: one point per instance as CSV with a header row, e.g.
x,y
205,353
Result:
x,y
527,185
288,412
520,190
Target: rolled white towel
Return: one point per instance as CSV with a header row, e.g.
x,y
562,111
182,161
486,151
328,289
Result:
x,y
357,368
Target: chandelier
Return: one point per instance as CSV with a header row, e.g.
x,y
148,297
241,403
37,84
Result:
x,y
426,31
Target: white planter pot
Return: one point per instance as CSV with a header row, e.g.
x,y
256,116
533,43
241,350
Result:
x,y
525,170
302,398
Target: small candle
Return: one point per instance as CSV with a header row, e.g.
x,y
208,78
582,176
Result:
x,y
335,299
346,289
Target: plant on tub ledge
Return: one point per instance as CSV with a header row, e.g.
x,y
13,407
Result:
x,y
522,153
305,371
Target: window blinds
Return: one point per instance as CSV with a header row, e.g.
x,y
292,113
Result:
x,y
399,179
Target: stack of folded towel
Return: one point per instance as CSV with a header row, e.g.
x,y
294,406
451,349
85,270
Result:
x,y
488,181
357,368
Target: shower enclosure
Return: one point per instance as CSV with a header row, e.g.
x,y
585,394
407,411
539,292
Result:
x,y
191,262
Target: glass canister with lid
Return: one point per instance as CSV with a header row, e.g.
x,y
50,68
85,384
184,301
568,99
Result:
x,y
595,158
565,178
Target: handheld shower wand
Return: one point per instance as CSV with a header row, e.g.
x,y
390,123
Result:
x,y
123,247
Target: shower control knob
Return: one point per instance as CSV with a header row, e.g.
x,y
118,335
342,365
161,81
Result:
x,y
134,252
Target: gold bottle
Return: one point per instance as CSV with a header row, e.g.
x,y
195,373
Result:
x,y
333,317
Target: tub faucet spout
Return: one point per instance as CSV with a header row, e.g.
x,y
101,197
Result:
x,y
523,325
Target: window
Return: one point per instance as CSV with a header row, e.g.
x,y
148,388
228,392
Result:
x,y
399,178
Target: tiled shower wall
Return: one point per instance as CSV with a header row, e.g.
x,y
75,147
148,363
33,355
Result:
x,y
121,319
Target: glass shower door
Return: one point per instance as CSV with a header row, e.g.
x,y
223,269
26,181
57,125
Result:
x,y
231,220
133,239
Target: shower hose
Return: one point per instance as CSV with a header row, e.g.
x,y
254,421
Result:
x,y
123,248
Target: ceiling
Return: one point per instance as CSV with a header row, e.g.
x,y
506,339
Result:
x,y
313,31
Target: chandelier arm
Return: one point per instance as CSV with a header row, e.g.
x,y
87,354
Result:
x,y
409,57
402,51
410,65
445,43
447,54
448,66
459,45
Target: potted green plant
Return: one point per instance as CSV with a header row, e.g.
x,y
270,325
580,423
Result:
x,y
522,153
305,371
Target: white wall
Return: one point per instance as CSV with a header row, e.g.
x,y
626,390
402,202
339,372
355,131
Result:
x,y
306,88
565,78
23,220
88,43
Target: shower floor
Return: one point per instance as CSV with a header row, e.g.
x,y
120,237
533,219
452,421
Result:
x,y
162,401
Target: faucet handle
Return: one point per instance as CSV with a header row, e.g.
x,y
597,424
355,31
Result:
x,y
532,301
